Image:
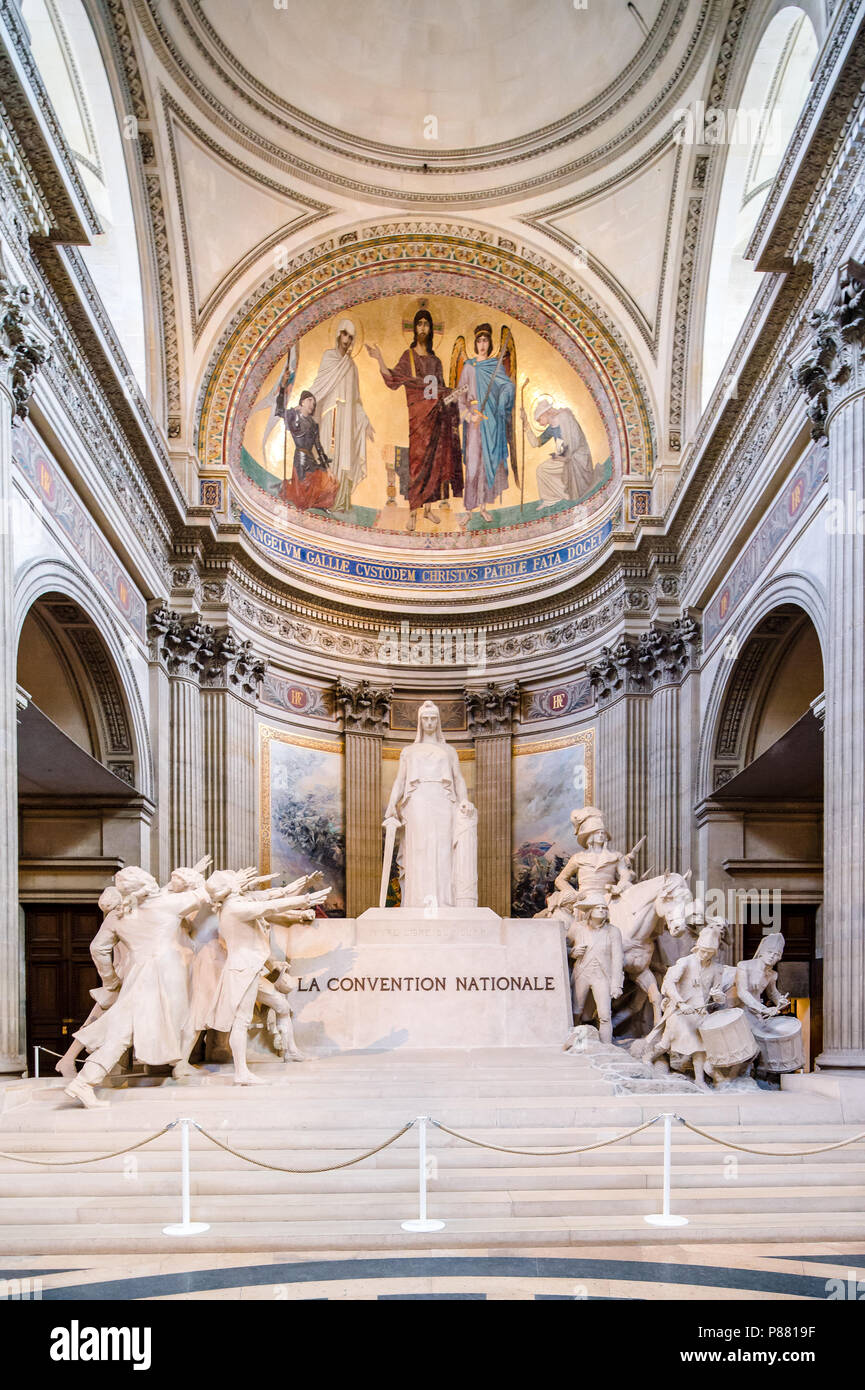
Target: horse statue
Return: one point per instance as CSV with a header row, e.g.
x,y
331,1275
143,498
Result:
x,y
642,912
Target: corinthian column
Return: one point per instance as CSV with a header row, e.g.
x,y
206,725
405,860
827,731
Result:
x,y
833,378
230,681
365,714
666,653
183,647
622,685
23,350
490,720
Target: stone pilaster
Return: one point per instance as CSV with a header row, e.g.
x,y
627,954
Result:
x,y
23,350
183,647
637,688
667,652
159,622
365,715
622,686
833,379
490,720
229,689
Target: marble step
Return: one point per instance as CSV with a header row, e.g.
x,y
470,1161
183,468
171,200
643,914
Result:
x,y
224,1181
572,1203
85,1237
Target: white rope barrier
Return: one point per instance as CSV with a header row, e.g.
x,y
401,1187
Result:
x,y
422,1223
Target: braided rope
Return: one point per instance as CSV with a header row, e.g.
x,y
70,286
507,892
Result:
x,y
769,1153
330,1168
70,1162
544,1153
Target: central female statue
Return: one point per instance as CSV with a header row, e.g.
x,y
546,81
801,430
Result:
x,y
438,847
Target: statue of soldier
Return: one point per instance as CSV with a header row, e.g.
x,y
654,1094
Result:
x,y
595,867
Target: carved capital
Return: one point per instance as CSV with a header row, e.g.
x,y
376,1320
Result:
x,y
364,708
232,665
491,710
833,359
24,345
619,670
667,651
183,645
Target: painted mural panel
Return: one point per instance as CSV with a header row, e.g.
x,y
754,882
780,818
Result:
x,y
552,778
437,416
302,825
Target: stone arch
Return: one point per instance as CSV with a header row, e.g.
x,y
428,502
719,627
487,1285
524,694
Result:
x,y
96,654
777,616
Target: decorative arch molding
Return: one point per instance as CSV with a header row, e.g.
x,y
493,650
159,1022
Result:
x,y
96,651
739,691
429,257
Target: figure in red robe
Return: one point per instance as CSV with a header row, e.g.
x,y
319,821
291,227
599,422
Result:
x,y
435,459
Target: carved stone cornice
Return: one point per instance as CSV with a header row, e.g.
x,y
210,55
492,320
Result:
x,y
831,368
365,708
24,344
491,711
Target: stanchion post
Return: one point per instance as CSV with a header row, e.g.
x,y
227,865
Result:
x,y
665,1218
423,1223
185,1227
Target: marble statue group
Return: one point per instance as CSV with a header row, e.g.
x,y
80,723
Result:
x,y
156,997
624,936
714,1021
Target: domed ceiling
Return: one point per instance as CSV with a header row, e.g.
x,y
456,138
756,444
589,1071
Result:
x,y
465,74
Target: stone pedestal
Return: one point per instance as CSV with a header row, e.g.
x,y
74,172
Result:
x,y
395,979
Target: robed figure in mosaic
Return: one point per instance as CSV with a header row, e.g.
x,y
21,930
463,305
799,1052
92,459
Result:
x,y
343,423
430,804
485,392
435,465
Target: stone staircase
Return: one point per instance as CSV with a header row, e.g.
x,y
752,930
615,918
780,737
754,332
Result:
x,y
327,1110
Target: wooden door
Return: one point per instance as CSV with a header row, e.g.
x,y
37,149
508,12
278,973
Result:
x,y
59,974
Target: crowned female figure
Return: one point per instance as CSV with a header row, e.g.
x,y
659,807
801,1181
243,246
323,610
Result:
x,y
430,804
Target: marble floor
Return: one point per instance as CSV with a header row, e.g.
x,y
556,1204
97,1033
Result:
x,y
800,1271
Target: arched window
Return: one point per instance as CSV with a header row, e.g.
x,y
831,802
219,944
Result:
x,y
67,54
756,135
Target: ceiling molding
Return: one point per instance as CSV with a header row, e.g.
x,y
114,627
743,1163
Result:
x,y
544,221
200,313
425,165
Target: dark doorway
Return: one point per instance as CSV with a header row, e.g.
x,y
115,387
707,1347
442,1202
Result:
x,y
800,973
60,974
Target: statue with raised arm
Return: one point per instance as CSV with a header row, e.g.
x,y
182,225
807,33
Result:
x,y
429,809
244,929
594,868
147,1009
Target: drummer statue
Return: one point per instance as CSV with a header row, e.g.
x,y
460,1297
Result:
x,y
692,986
596,949
595,867
779,1040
